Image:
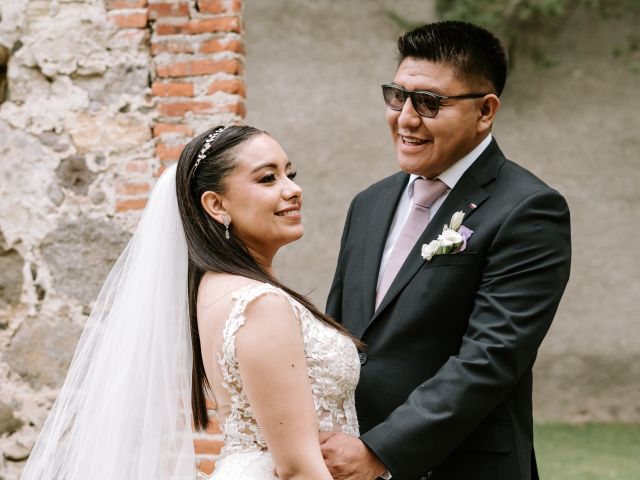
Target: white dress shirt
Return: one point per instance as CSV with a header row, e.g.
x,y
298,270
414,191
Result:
x,y
450,177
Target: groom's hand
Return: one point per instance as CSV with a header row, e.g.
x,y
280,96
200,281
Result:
x,y
348,458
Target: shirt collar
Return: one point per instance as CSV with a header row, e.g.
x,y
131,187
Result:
x,y
452,175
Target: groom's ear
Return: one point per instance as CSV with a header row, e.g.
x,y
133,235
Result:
x,y
213,204
487,112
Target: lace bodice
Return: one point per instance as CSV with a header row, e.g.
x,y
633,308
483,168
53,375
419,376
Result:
x,y
332,365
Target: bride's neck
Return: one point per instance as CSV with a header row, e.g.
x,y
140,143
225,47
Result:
x,y
264,260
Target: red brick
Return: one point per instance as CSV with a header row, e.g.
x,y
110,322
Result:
x,y
234,85
178,109
157,10
211,6
169,128
176,89
219,24
129,189
118,4
137,166
206,466
129,20
221,45
237,108
207,445
168,152
172,46
198,67
131,204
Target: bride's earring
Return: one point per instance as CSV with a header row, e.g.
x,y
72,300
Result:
x,y
227,221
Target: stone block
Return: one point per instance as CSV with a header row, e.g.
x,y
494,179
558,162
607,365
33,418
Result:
x,y
127,78
8,422
72,43
11,277
26,170
80,254
55,194
104,133
41,350
74,174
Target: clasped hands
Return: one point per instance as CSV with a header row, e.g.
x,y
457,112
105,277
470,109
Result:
x,y
348,458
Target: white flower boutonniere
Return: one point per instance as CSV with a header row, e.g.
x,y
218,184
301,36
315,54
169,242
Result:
x,y
452,240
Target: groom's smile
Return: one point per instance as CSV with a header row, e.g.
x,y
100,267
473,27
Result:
x,y
427,146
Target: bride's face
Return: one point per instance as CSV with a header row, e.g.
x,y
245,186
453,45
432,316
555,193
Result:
x,y
262,199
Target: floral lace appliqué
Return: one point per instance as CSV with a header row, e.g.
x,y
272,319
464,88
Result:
x,y
332,365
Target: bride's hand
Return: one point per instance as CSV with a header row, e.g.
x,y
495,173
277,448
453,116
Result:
x,y
348,458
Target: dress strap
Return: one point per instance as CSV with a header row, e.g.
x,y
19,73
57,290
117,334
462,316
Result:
x,y
242,297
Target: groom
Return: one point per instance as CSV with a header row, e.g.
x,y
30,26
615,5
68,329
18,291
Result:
x,y
445,386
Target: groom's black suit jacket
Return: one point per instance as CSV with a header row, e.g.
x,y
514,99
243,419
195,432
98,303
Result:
x,y
445,385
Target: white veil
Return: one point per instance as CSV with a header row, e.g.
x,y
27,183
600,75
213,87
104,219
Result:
x,y
124,411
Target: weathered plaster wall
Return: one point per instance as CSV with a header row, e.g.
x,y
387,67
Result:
x,y
314,70
77,112
101,95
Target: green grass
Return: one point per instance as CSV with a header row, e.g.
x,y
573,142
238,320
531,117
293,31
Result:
x,y
588,452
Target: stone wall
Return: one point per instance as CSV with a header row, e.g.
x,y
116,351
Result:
x,y
100,96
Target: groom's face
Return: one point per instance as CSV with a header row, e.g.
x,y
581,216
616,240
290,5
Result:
x,y
428,146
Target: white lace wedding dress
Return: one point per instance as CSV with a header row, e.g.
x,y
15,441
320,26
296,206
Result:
x,y
333,368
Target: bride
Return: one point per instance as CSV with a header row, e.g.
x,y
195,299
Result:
x,y
192,310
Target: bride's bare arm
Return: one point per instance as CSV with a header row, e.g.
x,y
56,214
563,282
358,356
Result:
x,y
272,364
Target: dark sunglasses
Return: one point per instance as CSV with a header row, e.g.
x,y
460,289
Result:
x,y
425,103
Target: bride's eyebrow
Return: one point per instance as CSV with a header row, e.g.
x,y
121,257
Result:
x,y
272,165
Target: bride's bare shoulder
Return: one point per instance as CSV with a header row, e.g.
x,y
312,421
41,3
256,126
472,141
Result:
x,y
217,289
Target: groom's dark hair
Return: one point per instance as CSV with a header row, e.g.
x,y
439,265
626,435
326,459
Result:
x,y
475,53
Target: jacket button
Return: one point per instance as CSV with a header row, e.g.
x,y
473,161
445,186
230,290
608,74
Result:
x,y
363,357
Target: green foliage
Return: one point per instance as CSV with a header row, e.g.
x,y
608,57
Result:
x,y
588,452
522,23
629,52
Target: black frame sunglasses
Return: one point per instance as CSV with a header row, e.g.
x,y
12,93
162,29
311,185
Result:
x,y
425,103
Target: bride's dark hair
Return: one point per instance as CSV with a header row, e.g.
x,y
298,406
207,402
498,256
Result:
x,y
209,250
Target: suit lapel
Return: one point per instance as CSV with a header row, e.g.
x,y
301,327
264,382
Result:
x,y
468,196
380,221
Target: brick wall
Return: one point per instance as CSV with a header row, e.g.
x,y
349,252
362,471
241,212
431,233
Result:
x,y
196,49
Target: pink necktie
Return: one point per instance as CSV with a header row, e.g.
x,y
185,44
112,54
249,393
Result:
x,y
425,192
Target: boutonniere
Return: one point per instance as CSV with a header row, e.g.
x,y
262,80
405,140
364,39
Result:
x,y
452,240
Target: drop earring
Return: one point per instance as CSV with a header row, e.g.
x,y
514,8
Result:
x,y
227,221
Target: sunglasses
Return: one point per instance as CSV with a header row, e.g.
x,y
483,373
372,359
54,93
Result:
x,y
425,103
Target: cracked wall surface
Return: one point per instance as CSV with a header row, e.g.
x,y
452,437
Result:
x,y
95,101
77,111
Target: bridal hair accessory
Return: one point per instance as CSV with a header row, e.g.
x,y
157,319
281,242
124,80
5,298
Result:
x,y
207,145
452,240
227,222
124,411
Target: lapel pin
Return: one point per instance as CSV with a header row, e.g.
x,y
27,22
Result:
x,y
472,206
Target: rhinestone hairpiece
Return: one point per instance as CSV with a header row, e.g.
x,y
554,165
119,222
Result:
x,y
207,145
